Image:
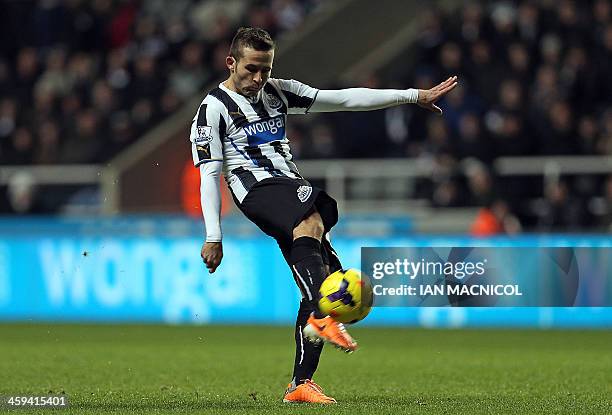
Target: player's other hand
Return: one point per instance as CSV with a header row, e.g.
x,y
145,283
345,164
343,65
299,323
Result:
x,y
212,253
429,97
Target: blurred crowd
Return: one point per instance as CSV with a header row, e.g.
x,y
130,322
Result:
x,y
535,79
81,79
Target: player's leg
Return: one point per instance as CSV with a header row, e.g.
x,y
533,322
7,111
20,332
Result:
x,y
305,258
306,261
310,265
307,353
276,207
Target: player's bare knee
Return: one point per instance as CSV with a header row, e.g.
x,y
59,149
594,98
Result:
x,y
310,226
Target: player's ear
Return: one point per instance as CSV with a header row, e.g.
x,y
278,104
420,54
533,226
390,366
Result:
x,y
230,62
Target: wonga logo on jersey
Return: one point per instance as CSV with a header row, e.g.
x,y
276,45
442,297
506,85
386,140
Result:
x,y
264,131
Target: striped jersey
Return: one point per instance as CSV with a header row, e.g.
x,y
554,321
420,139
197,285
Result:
x,y
249,134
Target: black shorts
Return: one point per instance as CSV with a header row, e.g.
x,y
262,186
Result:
x,y
278,204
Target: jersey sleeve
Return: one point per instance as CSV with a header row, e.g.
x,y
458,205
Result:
x,y
362,99
210,198
298,96
207,132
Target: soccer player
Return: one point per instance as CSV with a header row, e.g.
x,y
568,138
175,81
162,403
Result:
x,y
240,128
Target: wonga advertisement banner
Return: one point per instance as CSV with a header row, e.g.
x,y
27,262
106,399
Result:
x,y
48,275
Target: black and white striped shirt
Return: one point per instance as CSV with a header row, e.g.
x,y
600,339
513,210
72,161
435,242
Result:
x,y
249,134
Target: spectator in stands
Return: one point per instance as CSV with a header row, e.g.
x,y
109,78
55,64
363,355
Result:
x,y
55,80
8,122
26,75
605,209
117,75
588,131
480,184
483,71
558,135
604,144
190,75
438,137
519,63
23,196
22,147
494,219
48,144
471,140
147,82
84,143
103,99
559,210
446,194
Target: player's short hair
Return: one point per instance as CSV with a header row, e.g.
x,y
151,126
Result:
x,y
252,37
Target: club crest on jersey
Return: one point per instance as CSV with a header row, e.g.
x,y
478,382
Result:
x,y
203,134
265,131
303,193
274,102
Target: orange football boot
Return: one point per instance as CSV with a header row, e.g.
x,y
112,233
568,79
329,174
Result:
x,y
329,330
307,392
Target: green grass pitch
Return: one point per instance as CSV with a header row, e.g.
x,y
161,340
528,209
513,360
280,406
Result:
x,y
230,370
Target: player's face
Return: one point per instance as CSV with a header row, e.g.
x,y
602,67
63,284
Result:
x,y
251,71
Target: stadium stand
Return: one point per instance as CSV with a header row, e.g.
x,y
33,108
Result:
x,y
80,81
535,80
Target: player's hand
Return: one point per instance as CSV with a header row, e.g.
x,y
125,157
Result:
x,y
428,97
212,253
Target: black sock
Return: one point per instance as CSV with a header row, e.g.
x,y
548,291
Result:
x,y
306,353
308,269
330,257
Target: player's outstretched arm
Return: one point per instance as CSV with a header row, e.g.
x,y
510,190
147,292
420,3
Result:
x,y
428,97
210,195
365,99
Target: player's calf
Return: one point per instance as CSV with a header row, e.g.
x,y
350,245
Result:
x,y
308,269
